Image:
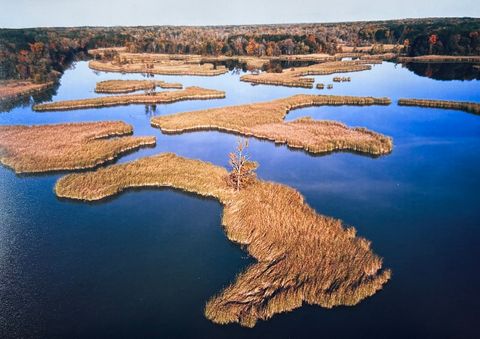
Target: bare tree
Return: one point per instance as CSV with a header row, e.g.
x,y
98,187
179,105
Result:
x,y
243,170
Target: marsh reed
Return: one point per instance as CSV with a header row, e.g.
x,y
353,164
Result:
x,y
42,148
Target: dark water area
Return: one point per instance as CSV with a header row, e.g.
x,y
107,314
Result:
x,y
234,66
273,66
144,263
445,71
276,66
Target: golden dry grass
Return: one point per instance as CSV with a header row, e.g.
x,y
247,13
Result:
x,y
15,88
302,257
168,67
42,148
126,86
296,77
471,107
265,120
166,97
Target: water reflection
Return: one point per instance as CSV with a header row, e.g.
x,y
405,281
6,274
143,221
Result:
x,y
445,71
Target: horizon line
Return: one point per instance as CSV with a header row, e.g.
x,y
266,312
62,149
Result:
x,y
246,24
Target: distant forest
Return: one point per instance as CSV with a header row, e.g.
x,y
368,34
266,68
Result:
x,y
42,54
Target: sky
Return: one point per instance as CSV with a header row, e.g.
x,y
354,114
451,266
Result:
x,y
55,13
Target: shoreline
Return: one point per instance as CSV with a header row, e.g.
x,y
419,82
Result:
x,y
13,89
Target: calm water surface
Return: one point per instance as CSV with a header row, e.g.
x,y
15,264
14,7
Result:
x,y
144,263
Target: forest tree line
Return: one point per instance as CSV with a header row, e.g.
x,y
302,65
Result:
x,y
42,54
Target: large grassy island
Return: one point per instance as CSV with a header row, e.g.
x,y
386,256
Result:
x,y
265,121
302,257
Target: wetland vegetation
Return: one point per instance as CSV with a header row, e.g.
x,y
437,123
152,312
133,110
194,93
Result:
x,y
296,256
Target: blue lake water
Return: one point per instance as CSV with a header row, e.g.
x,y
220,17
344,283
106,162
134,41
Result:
x,y
144,263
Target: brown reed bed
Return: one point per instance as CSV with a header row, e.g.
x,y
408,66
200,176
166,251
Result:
x,y
470,107
441,58
301,256
10,89
296,77
126,86
42,148
169,67
265,121
189,93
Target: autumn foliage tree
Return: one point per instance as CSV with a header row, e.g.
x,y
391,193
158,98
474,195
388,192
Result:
x,y
243,170
432,40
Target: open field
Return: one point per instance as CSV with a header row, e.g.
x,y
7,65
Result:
x,y
189,93
265,121
12,88
470,107
296,77
42,148
302,257
441,58
126,86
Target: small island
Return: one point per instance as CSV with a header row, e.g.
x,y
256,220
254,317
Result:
x,y
167,97
295,77
470,107
127,86
265,121
302,257
72,146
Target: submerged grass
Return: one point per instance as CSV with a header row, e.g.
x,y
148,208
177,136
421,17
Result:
x,y
302,257
265,120
42,148
189,93
126,86
470,107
